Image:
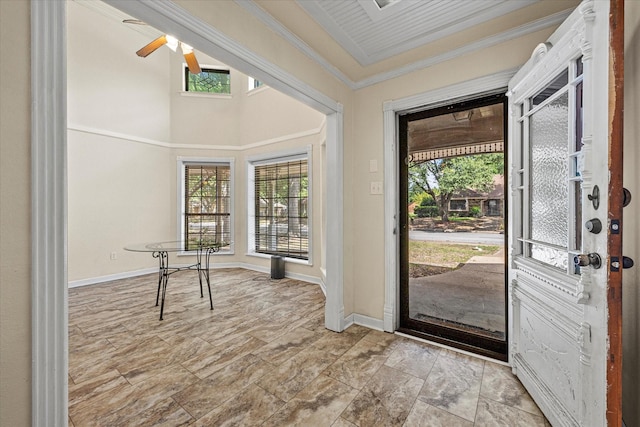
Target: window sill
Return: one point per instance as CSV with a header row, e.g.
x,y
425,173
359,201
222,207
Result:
x,y
206,95
289,260
193,253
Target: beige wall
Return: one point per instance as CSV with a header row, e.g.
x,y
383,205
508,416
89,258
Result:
x,y
368,261
117,195
15,215
128,118
112,88
203,120
631,236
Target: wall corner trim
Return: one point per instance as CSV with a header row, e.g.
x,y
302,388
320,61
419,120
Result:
x,y
49,308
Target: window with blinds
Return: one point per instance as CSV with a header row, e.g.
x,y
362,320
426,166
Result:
x,y
207,203
281,208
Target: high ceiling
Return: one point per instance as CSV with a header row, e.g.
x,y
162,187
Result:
x,y
362,43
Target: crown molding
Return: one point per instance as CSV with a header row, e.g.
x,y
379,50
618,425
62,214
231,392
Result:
x,y
277,27
280,29
365,58
170,17
520,31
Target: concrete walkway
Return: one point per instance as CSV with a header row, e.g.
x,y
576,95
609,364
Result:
x,y
473,295
475,238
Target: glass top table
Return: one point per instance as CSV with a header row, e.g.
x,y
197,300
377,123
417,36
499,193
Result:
x,y
173,246
160,250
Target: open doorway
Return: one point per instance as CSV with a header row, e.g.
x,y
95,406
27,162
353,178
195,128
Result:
x,y
452,217
49,121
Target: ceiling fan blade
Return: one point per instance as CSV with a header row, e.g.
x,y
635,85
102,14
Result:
x,y
145,51
192,63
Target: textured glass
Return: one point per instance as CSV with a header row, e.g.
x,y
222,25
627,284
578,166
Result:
x,y
549,172
550,256
559,82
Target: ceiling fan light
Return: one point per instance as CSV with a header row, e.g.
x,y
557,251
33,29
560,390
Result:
x,y
186,48
172,42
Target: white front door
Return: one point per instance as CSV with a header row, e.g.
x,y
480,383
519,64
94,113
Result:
x,y
559,132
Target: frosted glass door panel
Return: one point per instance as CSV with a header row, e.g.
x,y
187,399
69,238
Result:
x,y
549,172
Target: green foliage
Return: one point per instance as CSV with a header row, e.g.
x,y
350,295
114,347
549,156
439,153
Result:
x,y
442,178
427,200
475,211
426,211
460,173
422,198
210,81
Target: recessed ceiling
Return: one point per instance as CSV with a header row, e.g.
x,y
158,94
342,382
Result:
x,y
374,30
363,43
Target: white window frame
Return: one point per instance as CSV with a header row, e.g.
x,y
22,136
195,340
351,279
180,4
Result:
x,y
250,89
522,168
182,162
466,205
185,92
268,159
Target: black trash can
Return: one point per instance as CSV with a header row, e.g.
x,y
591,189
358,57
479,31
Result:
x,y
277,267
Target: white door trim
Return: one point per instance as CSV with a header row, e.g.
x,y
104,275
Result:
x,y
49,335
449,94
49,346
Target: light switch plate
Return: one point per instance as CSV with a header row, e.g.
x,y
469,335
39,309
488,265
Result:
x,y
376,187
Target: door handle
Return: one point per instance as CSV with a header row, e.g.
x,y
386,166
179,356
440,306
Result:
x,y
595,197
585,260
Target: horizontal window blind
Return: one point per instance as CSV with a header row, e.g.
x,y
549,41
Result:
x,y
207,204
281,208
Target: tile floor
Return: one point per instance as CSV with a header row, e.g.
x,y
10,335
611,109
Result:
x,y
263,357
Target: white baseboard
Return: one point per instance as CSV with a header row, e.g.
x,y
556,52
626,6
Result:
x,y
111,277
362,320
128,274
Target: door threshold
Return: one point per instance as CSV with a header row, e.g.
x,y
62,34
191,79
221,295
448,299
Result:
x,y
456,346
457,350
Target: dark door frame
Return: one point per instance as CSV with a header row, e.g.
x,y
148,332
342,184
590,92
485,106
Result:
x,y
464,340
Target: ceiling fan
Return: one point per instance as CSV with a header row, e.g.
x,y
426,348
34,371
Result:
x,y
172,43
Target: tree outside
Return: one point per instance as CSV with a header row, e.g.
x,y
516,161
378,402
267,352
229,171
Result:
x,y
443,178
